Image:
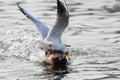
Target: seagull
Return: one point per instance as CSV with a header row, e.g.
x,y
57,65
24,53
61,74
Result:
x,y
51,41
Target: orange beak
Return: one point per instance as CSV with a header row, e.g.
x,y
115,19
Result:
x,y
67,56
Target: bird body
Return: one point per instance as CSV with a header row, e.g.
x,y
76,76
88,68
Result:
x,y
51,38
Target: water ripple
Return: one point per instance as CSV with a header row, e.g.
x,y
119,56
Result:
x,y
93,33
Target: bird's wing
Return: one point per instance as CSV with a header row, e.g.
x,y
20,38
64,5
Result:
x,y
42,28
61,23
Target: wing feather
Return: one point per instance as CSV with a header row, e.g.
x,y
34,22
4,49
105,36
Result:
x,y
61,23
42,28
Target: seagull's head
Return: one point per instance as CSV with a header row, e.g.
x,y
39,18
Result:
x,y
56,57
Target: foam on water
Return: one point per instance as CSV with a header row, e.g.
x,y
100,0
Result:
x,y
22,43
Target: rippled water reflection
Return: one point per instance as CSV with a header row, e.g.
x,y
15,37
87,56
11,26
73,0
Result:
x,y
93,32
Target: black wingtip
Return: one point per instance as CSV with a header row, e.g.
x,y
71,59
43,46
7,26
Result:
x,y
61,7
18,4
20,8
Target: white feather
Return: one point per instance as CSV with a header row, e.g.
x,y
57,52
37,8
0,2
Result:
x,y
52,38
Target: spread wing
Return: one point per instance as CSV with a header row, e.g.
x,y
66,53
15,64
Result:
x,y
61,23
42,28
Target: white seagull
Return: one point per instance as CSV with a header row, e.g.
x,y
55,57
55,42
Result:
x,y
51,39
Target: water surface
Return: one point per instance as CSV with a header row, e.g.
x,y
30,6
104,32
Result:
x,y
93,32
